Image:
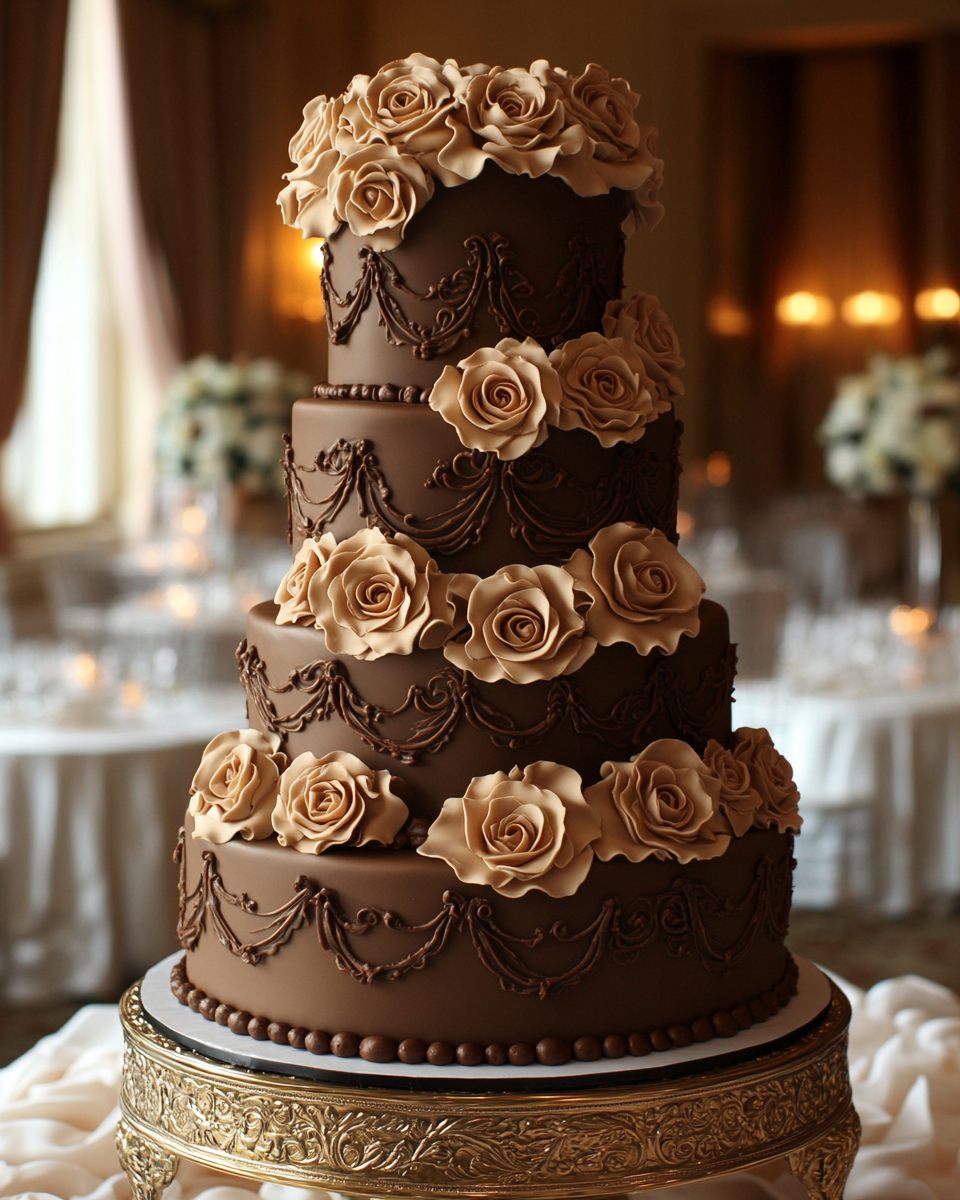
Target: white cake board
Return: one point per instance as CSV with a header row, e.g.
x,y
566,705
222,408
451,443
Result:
x,y
216,1041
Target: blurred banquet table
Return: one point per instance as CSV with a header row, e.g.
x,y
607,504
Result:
x,y
88,822
879,780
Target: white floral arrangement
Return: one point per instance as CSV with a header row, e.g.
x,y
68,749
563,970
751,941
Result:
x,y
895,427
222,423
370,158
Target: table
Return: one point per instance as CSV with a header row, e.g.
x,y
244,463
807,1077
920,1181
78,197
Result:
x,y
88,821
879,780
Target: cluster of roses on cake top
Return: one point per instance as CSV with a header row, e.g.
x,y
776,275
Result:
x,y
371,157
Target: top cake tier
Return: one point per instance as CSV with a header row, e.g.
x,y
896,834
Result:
x,y
504,256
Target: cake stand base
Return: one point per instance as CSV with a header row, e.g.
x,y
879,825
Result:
x,y
782,1101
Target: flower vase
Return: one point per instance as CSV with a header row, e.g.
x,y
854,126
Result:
x,y
924,553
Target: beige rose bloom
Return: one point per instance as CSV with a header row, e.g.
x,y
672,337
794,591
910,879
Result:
x,y
614,154
500,398
306,202
641,320
739,799
644,591
605,388
407,105
646,210
529,830
376,190
662,802
292,594
526,623
514,118
772,776
336,801
377,595
235,786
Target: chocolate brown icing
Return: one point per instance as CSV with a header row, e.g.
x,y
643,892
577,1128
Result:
x,y
446,727
406,472
692,939
502,257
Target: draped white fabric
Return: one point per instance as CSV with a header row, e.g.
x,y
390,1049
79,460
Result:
x,y
879,778
58,1112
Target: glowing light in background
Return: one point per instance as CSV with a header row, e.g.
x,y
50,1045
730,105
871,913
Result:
x,y
718,469
684,523
804,308
84,671
181,601
908,622
937,304
315,250
132,694
871,308
727,318
192,519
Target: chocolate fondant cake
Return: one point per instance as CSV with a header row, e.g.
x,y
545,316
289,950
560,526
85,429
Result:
x,y
490,807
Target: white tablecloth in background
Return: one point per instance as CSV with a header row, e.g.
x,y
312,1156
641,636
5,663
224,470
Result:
x,y
58,1112
88,822
879,779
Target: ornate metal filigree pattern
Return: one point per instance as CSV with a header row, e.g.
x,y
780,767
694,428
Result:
x,y
599,1141
634,489
149,1168
451,696
678,918
490,270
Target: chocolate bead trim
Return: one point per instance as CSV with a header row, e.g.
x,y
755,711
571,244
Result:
x,y
385,393
550,1051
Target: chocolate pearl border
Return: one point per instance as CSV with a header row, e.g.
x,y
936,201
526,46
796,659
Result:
x,y
386,393
549,1051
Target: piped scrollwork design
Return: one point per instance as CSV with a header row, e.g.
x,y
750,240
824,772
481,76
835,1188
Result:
x,y
679,918
452,696
641,486
490,270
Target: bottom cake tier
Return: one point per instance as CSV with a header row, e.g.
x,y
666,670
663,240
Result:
x,y
371,951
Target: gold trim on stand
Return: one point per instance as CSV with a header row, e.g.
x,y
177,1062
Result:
x,y
792,1102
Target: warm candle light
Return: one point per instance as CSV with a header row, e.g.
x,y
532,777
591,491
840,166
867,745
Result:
x,y
804,308
908,622
871,308
727,318
937,304
718,469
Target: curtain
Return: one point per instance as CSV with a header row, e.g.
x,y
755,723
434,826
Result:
x,y
817,188
32,35
216,91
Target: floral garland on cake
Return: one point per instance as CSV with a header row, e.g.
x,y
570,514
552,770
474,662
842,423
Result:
x,y
375,594
535,828
371,157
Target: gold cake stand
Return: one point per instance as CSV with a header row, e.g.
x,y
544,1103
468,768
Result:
x,y
792,1102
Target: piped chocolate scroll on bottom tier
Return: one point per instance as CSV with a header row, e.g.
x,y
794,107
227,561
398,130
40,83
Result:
x,y
387,943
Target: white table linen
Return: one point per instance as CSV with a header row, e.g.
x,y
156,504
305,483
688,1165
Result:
x,y
88,821
58,1112
879,780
